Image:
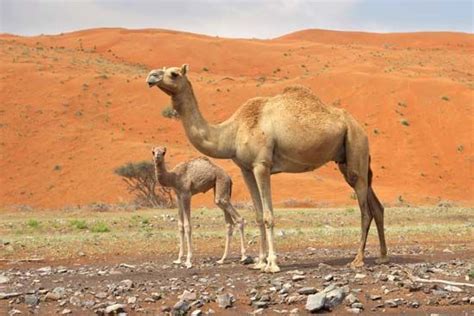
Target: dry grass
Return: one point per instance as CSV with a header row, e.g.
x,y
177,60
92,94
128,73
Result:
x,y
153,232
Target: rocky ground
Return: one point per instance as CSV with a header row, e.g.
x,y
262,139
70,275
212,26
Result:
x,y
312,280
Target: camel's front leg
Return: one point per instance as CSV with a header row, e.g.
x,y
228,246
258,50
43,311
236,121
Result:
x,y
180,230
186,201
262,176
251,183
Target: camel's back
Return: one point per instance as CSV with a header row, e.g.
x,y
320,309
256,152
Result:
x,y
199,174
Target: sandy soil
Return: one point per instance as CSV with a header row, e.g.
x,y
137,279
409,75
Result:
x,y
75,106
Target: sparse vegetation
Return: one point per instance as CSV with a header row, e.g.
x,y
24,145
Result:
x,y
205,69
169,112
141,181
78,223
405,122
33,223
57,168
100,227
445,98
460,148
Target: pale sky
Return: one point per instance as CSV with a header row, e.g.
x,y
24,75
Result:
x,y
236,18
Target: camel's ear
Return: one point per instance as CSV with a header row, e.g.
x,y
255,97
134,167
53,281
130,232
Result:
x,y
184,69
164,150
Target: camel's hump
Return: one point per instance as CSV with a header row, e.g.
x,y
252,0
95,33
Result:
x,y
299,89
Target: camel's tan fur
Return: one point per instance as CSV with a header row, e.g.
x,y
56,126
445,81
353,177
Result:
x,y
192,177
290,132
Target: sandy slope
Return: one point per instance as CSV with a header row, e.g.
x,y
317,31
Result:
x,y
75,106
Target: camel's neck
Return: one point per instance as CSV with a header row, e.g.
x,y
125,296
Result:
x,y
164,177
212,140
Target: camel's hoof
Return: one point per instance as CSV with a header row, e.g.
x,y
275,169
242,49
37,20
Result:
x,y
357,264
259,266
382,260
220,261
177,261
188,265
271,268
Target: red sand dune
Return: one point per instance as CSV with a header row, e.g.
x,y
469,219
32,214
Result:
x,y
75,106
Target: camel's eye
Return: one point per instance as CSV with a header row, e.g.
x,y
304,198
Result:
x,y
174,74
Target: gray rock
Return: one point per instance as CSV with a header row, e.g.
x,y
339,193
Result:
x,y
297,278
50,296
354,310
334,298
260,304
180,308
156,296
225,300
132,300
101,295
315,302
414,304
375,297
360,276
31,299
45,270
357,305
4,279
14,312
66,311
115,308
391,303
126,284
307,290
452,288
5,296
351,299
328,277
197,312
188,296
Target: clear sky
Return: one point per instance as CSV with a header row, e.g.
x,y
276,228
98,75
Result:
x,y
236,18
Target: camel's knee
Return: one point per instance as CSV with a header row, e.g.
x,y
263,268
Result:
x,y
230,228
187,228
268,219
351,177
222,202
181,228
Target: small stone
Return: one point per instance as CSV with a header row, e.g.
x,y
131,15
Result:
x,y
14,312
4,279
101,295
391,303
66,311
375,297
188,296
354,310
297,278
197,312
181,308
258,311
50,296
452,288
132,300
414,304
126,265
115,308
165,309
307,290
156,296
328,277
126,284
334,298
44,270
31,299
9,295
225,300
260,304
447,250
315,302
351,299
294,311
357,305
211,311
360,276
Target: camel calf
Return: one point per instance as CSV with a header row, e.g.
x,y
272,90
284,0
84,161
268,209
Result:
x,y
198,175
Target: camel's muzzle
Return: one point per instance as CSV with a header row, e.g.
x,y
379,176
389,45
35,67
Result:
x,y
154,77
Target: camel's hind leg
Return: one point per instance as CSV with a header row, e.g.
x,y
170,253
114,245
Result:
x,y
222,196
359,183
356,171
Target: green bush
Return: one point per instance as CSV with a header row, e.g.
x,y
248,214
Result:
x,y
33,223
79,223
100,227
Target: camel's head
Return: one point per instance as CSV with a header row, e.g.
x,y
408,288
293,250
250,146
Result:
x,y
170,80
158,153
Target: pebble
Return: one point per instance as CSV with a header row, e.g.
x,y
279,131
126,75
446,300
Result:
x,y
351,299
452,288
391,303
188,296
315,302
360,276
66,311
197,312
114,308
31,299
181,308
375,297
354,310
307,290
328,277
225,300
132,300
14,312
9,295
297,278
4,279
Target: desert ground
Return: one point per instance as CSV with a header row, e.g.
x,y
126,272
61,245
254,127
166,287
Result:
x,y
75,106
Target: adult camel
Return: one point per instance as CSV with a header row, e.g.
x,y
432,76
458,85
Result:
x,y
290,132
